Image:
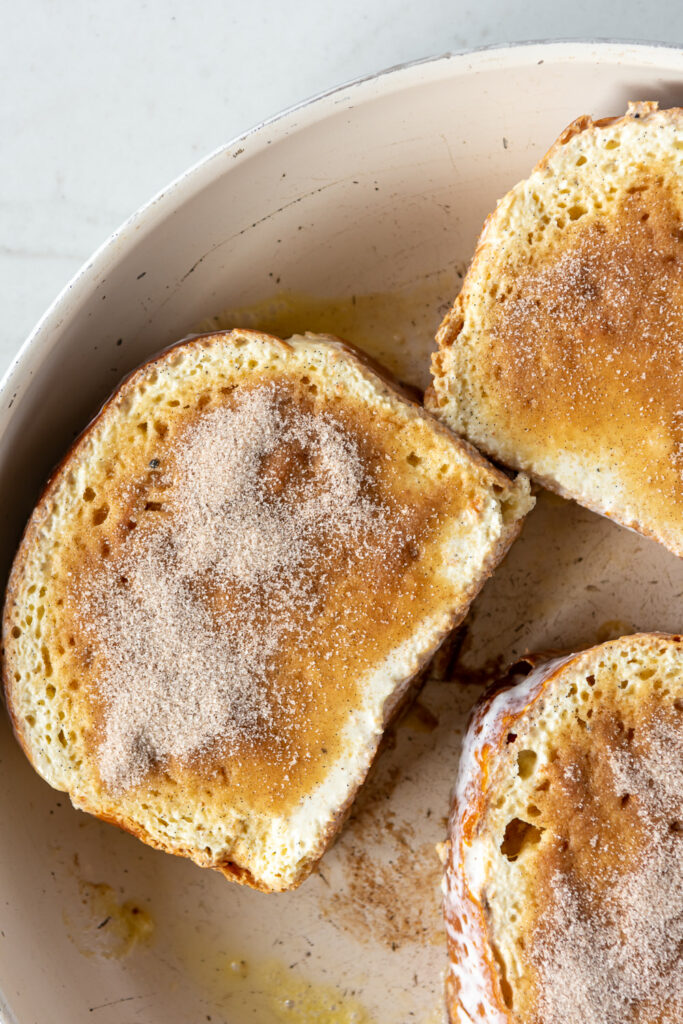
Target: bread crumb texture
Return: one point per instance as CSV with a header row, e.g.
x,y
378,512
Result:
x,y
563,354
230,583
574,857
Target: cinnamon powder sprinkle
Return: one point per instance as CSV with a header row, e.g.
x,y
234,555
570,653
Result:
x,y
612,953
599,328
188,618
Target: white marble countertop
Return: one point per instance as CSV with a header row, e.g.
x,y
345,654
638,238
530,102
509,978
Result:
x,y
105,103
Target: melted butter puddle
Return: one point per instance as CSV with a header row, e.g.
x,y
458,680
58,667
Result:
x,y
102,925
268,991
612,629
396,327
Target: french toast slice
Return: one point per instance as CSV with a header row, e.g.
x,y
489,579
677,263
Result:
x,y
228,588
564,865
563,354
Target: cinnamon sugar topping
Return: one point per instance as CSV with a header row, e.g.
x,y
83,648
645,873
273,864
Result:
x,y
188,618
599,327
611,952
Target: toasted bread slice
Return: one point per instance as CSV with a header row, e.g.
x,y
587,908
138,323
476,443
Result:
x,y
563,354
227,588
564,877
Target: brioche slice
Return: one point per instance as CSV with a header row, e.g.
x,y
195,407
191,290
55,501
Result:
x,y
564,875
563,354
227,588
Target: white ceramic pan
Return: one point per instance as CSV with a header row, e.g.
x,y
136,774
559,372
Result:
x,y
379,187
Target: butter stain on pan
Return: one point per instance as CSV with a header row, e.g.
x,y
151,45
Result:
x,y
268,990
102,924
395,327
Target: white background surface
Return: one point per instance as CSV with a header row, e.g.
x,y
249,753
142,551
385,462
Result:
x,y
103,104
